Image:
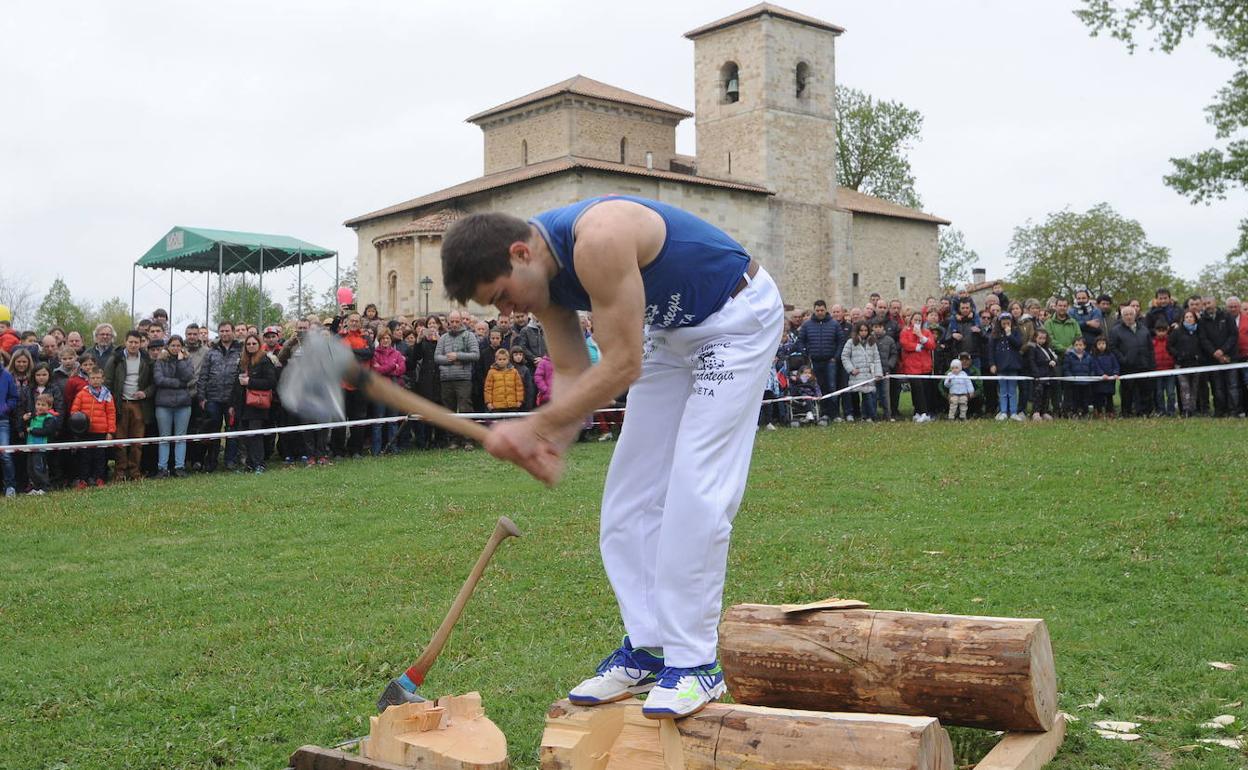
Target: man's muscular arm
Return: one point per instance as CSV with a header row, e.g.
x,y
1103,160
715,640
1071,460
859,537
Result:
x,y
606,256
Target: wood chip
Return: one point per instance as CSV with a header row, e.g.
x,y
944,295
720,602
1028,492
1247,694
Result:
x,y
1099,700
934,553
1070,717
1118,727
832,603
1219,665
1113,736
1219,722
1230,743
1233,704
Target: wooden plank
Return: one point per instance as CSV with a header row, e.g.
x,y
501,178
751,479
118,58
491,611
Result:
x,y
1025,751
318,758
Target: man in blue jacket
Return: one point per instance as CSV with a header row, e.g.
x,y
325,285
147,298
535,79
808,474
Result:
x,y
822,338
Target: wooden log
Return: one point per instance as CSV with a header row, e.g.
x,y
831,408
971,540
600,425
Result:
x,y
1025,751
452,734
616,736
995,673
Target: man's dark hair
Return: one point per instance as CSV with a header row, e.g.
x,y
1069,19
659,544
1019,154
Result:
x,y
477,250
192,325
138,335
820,303
1159,292
221,324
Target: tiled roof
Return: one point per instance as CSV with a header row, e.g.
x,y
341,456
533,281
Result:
x,y
760,10
583,86
546,168
852,200
430,224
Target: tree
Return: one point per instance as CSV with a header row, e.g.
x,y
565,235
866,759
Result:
x,y
1224,279
19,298
241,301
59,309
326,304
872,140
115,312
956,258
1207,175
1099,250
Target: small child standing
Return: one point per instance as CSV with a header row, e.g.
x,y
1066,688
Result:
x,y
960,387
1105,366
96,402
504,390
521,364
1040,362
1077,363
43,425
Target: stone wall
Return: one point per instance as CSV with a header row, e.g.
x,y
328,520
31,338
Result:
x,y
597,129
546,128
887,248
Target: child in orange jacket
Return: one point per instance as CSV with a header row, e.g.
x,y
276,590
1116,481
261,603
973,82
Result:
x,y
504,389
96,402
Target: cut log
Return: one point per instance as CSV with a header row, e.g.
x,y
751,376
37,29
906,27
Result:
x,y
1025,751
616,736
452,734
995,673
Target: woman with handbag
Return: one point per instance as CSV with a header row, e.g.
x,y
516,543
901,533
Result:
x,y
253,397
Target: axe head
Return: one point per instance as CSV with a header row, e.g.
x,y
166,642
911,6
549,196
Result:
x,y
394,695
311,385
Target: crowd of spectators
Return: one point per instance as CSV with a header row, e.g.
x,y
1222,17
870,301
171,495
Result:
x,y
949,353
149,381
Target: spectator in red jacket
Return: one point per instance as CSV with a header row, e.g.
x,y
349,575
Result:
x,y
917,344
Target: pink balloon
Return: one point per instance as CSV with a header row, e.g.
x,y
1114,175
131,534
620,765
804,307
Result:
x,y
345,295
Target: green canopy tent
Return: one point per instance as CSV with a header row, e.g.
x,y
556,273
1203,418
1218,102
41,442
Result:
x,y
200,250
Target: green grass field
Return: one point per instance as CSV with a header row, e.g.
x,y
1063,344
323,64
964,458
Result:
x,y
226,620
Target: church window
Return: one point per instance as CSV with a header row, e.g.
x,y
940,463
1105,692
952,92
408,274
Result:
x,y
649,159
802,77
392,292
730,75
855,280
729,161
902,283
623,148
524,152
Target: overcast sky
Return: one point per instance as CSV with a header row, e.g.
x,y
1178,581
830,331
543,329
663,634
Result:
x,y
123,119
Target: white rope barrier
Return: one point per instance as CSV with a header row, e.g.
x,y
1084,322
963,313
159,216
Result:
x,y
493,416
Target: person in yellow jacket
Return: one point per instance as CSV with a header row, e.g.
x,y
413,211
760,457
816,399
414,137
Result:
x,y
504,388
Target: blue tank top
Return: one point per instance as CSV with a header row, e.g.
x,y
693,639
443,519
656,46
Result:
x,y
692,276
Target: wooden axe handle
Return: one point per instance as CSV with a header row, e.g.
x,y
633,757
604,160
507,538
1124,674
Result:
x,y
383,390
503,530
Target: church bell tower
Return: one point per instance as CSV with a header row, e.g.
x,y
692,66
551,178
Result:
x,y
765,94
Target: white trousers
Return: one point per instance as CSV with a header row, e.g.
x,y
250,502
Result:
x,y
679,471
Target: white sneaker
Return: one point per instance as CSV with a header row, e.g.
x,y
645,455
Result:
x,y
684,691
10,492
849,418
624,673
1018,417
1001,416
36,492
1035,417
770,426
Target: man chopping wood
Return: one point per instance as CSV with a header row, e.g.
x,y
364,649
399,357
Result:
x,y
687,323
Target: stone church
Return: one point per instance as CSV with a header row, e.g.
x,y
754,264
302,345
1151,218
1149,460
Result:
x,y
765,171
